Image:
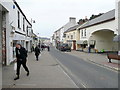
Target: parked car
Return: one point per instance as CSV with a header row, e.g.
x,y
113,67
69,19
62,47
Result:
x,y
64,47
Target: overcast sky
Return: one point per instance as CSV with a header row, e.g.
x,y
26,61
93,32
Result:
x,y
50,15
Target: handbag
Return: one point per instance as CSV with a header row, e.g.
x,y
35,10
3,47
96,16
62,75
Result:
x,y
15,66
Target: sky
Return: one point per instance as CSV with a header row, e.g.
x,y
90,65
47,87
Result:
x,y
50,15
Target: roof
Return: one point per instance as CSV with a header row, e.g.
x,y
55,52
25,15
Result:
x,y
59,29
101,19
72,28
21,11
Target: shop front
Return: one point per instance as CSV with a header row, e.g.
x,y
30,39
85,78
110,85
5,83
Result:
x,y
3,35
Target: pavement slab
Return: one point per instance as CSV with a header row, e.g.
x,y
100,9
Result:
x,y
45,73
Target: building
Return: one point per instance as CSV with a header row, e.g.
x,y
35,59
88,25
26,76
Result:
x,y
117,14
97,34
16,29
35,40
71,36
58,36
45,40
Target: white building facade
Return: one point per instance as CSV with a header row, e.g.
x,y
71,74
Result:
x,y
59,34
99,33
17,30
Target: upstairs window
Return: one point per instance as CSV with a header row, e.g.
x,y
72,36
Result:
x,y
85,33
27,30
23,24
18,19
82,33
71,36
68,37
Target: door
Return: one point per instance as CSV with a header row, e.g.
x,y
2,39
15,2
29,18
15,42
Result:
x,y
74,45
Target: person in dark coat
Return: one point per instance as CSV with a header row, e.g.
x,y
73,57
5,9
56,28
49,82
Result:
x,y
21,55
42,47
37,52
48,48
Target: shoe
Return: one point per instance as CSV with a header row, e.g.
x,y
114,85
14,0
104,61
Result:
x,y
16,78
27,73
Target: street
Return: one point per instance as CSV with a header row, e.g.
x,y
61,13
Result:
x,y
64,70
85,73
59,44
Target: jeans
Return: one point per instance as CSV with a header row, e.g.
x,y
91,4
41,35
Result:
x,y
23,63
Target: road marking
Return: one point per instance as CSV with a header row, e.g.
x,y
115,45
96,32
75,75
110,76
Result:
x,y
68,75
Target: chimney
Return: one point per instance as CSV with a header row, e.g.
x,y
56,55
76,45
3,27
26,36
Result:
x,y
86,19
72,19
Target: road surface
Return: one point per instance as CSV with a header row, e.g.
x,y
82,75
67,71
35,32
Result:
x,y
84,73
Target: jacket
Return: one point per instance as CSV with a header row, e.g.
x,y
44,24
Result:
x,y
21,53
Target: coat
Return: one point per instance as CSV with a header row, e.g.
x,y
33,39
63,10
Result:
x,y
21,53
37,51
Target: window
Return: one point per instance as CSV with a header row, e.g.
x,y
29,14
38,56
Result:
x,y
68,36
18,19
74,35
82,33
71,36
23,24
85,33
27,30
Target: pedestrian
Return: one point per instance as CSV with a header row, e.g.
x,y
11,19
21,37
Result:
x,y
48,48
42,47
21,59
32,49
37,52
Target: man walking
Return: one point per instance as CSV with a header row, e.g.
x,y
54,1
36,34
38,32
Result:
x,y
48,48
21,55
37,52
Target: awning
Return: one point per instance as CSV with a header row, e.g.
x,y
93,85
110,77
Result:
x,y
71,40
82,42
116,38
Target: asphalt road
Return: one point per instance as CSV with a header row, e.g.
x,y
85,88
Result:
x,y
86,74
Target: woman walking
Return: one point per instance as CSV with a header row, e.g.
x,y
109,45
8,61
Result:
x,y
37,52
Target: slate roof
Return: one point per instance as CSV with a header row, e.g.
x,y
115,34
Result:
x,y
72,28
103,18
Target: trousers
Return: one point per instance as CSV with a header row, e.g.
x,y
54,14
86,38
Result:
x,y
23,63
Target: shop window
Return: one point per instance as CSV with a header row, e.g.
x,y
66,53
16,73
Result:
x,y
14,46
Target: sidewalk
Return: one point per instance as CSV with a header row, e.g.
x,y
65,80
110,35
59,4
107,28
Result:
x,y
45,73
97,59
0,76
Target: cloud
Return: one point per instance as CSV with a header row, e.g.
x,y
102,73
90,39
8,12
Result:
x,y
50,15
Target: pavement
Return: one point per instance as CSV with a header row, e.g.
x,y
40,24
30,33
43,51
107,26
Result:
x,y
0,76
45,73
100,59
